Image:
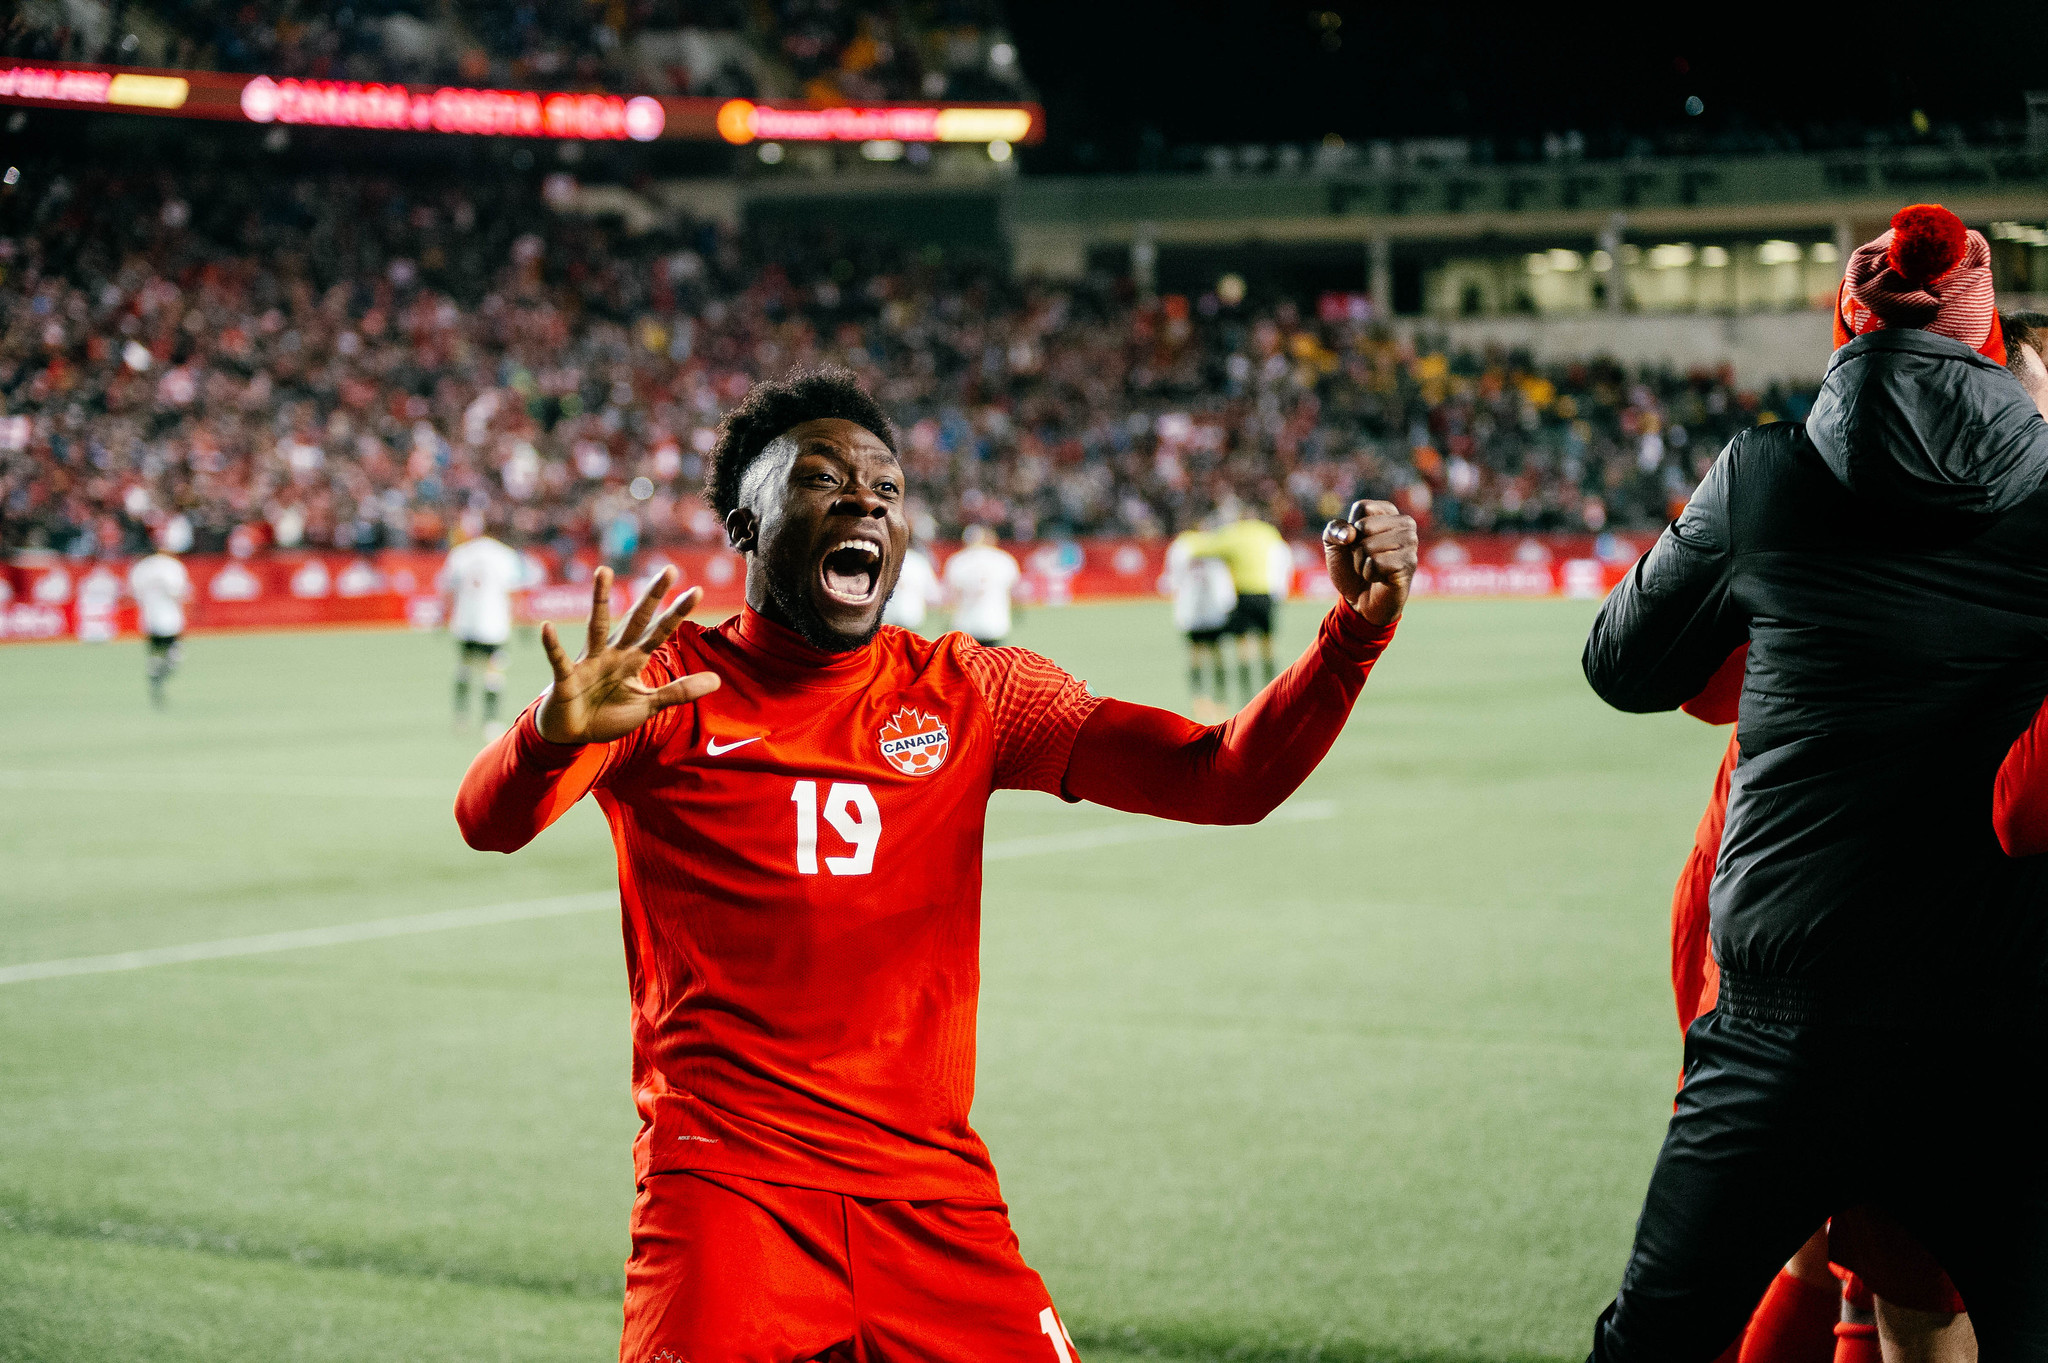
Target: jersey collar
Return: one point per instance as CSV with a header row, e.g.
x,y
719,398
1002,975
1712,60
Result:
x,y
782,651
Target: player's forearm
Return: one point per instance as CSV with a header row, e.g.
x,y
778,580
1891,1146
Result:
x,y
1148,761
521,783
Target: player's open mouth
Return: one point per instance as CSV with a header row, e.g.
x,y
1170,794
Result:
x,y
851,570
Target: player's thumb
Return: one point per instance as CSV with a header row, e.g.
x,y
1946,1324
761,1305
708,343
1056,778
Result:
x,y
683,690
1340,539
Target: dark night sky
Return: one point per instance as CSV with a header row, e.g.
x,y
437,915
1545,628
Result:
x,y
1232,71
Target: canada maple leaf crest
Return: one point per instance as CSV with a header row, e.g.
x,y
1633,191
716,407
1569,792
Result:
x,y
914,743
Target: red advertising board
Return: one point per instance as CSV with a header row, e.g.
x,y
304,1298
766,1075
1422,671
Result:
x,y
50,597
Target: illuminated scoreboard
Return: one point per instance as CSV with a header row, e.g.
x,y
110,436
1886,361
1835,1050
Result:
x,y
570,115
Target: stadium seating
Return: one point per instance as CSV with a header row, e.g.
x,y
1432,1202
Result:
x,y
357,362
703,47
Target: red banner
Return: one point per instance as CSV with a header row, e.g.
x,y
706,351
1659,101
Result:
x,y
49,597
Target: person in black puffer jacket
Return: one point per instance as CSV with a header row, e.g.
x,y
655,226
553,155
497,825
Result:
x,y
1882,961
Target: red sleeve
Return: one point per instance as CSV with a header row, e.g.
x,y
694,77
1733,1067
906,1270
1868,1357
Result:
x,y
1695,980
521,783
2019,798
1035,708
1720,700
1151,761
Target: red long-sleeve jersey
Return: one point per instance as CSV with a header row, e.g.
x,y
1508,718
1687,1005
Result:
x,y
800,873
2019,800
1695,978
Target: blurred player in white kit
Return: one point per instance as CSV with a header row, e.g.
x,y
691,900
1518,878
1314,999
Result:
x,y
980,579
917,591
1204,597
480,576
161,587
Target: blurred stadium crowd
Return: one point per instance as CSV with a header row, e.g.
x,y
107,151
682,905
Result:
x,y
826,50
359,362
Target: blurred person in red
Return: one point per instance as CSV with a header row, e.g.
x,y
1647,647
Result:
x,y
797,799
1821,1306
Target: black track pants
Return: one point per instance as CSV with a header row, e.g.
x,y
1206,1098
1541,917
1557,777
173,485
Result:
x,y
1779,1126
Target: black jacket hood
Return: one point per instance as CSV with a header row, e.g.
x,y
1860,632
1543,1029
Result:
x,y
1909,418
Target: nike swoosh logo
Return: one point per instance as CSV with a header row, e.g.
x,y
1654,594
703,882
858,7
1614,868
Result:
x,y
717,749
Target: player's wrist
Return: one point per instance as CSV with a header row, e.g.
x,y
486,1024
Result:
x,y
536,747
1358,634
1384,617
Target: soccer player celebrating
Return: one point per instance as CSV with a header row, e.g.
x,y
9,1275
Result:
x,y
797,799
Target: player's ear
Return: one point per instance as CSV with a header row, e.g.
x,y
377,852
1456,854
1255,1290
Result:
x,y
742,530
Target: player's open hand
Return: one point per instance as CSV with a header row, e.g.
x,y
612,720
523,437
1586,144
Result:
x,y
1371,557
600,696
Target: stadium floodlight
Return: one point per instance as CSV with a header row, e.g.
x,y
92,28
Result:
x,y
1779,253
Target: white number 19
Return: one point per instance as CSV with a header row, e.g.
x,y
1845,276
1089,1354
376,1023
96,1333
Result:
x,y
1055,1329
851,810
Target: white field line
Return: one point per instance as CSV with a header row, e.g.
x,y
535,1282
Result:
x,y
343,933
227,783
521,910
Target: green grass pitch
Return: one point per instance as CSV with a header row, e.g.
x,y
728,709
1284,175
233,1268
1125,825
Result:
x,y
1378,1081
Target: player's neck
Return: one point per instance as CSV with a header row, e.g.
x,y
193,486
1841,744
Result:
x,y
761,633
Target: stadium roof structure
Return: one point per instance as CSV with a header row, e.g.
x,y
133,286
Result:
x,y
568,115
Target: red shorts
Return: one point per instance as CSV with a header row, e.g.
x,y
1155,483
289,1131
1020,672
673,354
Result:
x,y
1890,1262
730,1270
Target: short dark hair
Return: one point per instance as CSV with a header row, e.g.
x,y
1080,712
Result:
x,y
771,409
2029,329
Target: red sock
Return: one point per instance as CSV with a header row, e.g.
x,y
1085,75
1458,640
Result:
x,y
1856,1344
1794,1323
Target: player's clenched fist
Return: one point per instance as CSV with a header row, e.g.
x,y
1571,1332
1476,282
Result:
x,y
1371,557
600,696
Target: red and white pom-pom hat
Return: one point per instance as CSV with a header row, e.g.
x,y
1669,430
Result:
x,y
1929,271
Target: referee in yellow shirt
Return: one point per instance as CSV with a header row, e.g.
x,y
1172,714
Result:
x,y
1261,568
